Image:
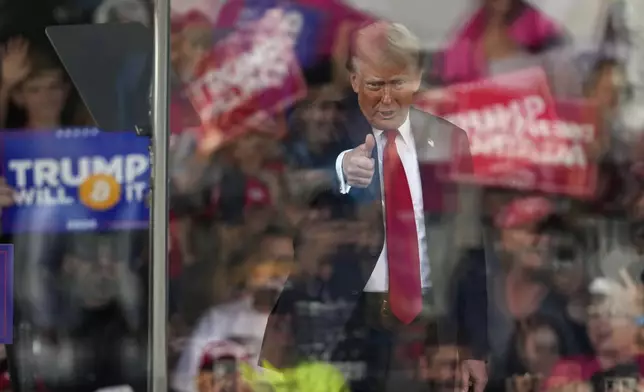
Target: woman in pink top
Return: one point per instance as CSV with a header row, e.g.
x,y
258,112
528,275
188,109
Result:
x,y
498,30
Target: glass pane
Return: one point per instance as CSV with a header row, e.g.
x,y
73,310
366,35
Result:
x,y
75,190
355,204
371,206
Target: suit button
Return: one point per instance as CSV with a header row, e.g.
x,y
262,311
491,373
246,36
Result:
x,y
354,292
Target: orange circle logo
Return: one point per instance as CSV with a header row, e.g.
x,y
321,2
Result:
x,y
100,192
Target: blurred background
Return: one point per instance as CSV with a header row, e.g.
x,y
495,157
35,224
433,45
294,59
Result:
x,y
254,198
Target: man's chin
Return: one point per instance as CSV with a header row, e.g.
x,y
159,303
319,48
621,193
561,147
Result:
x,y
388,123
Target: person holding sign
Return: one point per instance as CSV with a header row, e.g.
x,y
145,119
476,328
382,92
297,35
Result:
x,y
34,92
394,166
498,31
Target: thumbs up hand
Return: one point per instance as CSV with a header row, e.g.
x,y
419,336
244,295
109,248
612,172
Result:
x,y
358,166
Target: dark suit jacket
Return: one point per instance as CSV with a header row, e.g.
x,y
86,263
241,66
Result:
x,y
451,220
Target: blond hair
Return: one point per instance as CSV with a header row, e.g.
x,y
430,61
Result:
x,y
390,42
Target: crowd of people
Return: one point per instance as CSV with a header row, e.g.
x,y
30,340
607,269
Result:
x,y
263,243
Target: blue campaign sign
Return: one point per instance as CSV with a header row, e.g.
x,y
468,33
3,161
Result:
x,y
308,20
6,293
77,179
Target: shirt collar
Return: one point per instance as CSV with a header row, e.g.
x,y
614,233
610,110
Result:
x,y
405,132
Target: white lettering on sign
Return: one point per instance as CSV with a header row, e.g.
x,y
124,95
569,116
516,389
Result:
x,y
545,152
516,130
51,177
265,66
495,118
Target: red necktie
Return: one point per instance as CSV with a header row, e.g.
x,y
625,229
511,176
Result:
x,y
405,298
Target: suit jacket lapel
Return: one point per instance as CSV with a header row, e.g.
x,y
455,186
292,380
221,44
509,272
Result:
x,y
421,127
433,138
432,145
433,142
419,122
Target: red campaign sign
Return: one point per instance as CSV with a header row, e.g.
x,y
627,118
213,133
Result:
x,y
519,136
246,80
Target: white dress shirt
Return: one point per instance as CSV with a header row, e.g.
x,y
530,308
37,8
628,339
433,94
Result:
x,y
379,280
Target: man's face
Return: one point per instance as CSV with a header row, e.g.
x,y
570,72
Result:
x,y
249,151
611,330
541,350
565,258
319,121
185,53
278,248
441,369
524,245
385,90
265,282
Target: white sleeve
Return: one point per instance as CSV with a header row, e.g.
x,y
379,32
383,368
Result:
x,y
185,375
344,187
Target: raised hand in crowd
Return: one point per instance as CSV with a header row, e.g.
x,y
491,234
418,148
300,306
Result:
x,y
626,291
358,166
14,68
15,62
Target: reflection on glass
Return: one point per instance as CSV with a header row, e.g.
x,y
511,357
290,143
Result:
x,y
356,205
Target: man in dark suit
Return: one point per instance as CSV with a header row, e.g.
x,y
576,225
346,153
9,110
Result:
x,y
398,166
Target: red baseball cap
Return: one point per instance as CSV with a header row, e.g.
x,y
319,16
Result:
x,y
524,211
222,349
